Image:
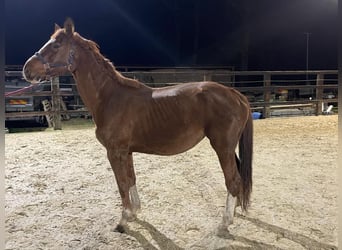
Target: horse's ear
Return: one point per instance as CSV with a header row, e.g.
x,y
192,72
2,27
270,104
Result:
x,y
69,26
57,27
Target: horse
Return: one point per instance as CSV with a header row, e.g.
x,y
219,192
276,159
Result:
x,y
130,116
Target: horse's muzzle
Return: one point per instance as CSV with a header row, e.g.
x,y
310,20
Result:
x,y
33,71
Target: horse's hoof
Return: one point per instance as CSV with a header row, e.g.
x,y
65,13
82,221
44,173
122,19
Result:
x,y
120,229
223,232
132,217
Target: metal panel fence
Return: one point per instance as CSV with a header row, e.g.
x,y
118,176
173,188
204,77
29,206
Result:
x,y
266,90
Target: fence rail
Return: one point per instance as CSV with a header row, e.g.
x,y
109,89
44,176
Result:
x,y
262,84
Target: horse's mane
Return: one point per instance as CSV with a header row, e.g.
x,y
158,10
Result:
x,y
107,66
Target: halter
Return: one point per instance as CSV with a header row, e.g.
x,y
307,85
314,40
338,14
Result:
x,y
48,66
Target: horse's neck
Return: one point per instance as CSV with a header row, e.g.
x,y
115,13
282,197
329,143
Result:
x,y
90,77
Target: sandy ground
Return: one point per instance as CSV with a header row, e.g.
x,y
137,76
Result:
x,y
61,192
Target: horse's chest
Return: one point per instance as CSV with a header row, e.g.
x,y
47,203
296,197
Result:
x,y
114,135
100,135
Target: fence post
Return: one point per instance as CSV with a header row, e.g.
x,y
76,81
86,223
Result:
x,y
56,103
207,76
267,95
319,93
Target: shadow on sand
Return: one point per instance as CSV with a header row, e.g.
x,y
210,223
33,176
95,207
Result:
x,y
164,242
303,240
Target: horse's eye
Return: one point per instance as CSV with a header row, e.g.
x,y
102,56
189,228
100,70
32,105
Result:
x,y
56,45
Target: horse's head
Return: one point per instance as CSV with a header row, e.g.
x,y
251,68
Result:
x,y
55,58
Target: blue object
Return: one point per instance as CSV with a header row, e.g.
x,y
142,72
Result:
x,y
256,115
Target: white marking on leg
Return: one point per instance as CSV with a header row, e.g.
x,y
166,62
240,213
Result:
x,y
228,215
134,198
230,207
126,216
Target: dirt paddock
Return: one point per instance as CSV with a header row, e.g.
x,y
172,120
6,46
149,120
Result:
x,y
61,192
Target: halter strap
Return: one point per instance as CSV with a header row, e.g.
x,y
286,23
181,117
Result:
x,y
48,66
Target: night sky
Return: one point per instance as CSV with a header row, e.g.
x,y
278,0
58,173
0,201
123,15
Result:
x,y
245,34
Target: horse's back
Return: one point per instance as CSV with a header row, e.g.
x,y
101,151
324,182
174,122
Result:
x,y
207,91
219,100
201,102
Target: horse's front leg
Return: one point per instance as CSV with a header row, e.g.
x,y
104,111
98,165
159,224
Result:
x,y
135,201
119,160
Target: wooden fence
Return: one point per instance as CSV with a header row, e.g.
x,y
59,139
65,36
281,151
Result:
x,y
264,89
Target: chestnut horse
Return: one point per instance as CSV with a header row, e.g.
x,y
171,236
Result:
x,y
132,117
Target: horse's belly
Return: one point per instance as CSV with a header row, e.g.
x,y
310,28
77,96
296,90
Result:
x,y
168,143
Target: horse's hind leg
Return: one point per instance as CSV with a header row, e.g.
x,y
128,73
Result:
x,y
225,150
135,201
233,184
228,214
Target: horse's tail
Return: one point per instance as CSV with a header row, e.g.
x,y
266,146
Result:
x,y
245,163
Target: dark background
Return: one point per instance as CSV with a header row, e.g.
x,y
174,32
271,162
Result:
x,y
245,34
